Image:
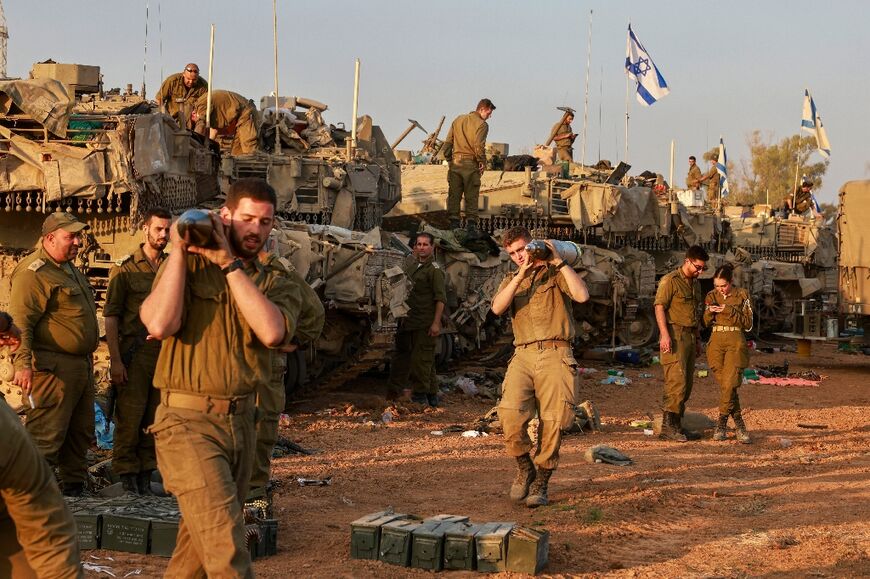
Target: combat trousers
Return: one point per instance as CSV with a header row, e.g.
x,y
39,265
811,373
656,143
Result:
x,y
546,379
245,141
679,367
463,179
62,424
728,355
32,508
565,154
135,405
205,460
270,402
413,363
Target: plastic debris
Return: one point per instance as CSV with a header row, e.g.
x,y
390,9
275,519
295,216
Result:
x,y
608,454
785,442
618,380
648,432
99,569
703,373
612,372
437,433
314,482
641,424
284,421
467,385
104,432
387,417
586,371
473,434
645,375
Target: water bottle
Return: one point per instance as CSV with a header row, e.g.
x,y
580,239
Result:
x,y
195,227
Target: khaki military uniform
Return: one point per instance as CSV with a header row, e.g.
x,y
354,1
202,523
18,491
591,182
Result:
x,y
465,149
412,366
231,113
136,401
693,179
542,373
271,397
178,99
712,180
53,305
727,353
681,298
37,532
208,373
564,147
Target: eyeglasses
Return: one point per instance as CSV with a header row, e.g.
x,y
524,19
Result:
x,y
191,70
697,267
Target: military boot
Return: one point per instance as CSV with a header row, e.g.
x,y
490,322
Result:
x,y
538,491
143,482
740,427
670,430
721,429
524,478
689,434
129,483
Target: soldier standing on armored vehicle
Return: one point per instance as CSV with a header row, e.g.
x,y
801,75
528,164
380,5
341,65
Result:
x,y
542,372
712,181
465,150
411,369
693,179
133,358
677,308
564,136
179,92
231,113
53,305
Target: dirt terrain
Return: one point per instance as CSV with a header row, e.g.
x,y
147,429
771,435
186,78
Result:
x,y
795,503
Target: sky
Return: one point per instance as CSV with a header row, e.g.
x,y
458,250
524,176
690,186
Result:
x,y
732,67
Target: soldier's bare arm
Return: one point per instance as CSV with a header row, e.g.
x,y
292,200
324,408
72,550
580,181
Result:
x,y
118,373
576,286
502,300
664,336
435,328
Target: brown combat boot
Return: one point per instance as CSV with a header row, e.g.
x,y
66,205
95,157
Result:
x,y
129,483
143,482
538,492
721,432
740,427
670,429
524,478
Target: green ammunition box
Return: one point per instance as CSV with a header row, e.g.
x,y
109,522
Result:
x,y
427,541
121,533
88,524
492,546
163,537
528,550
395,545
365,533
459,551
268,543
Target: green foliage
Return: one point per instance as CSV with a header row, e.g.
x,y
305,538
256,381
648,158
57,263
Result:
x,y
593,515
771,169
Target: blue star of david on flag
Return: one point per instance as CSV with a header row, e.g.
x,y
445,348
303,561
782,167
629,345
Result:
x,y
651,85
722,168
811,122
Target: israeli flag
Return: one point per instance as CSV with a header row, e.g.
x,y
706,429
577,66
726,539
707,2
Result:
x,y
651,85
811,122
722,168
816,205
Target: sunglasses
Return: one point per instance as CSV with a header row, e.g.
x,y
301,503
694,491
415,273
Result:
x,y
191,70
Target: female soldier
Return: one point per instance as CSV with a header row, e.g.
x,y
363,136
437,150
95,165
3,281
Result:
x,y
729,311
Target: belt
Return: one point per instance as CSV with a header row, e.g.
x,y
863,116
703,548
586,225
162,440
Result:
x,y
206,404
546,344
461,157
727,329
683,329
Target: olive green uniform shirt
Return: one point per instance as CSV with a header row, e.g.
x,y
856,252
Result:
x,y
173,93
215,352
737,312
712,181
428,287
693,179
130,282
681,298
53,306
562,128
541,308
467,138
226,108
312,316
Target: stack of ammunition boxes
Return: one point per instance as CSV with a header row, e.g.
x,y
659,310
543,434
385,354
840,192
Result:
x,y
448,542
146,525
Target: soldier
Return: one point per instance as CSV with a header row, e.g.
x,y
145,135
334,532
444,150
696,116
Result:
x,y
564,136
542,373
712,180
231,114
53,304
132,357
677,304
729,312
178,93
271,396
220,312
465,150
693,179
411,369
802,199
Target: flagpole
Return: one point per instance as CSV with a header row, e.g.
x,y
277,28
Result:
x,y
626,118
719,201
586,100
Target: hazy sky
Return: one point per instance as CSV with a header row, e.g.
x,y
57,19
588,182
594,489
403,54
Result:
x,y
732,66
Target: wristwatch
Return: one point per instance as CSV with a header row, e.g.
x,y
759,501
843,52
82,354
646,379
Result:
x,y
562,264
5,322
233,266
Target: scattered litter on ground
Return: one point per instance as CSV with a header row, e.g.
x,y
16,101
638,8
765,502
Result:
x,y
473,434
284,421
785,442
648,432
586,371
437,433
387,417
641,423
467,385
99,569
314,482
612,372
103,430
645,375
703,373
618,380
608,454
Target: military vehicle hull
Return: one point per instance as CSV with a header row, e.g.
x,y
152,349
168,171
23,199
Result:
x,y
854,255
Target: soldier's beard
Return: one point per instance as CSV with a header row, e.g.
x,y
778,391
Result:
x,y
158,244
248,246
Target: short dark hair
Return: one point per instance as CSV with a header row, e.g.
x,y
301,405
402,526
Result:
x,y
514,233
158,212
725,272
485,104
692,158
251,188
697,252
423,234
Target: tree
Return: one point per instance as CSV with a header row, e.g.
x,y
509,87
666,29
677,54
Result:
x,y
771,168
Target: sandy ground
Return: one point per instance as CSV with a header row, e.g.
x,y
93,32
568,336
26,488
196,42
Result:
x,y
795,503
